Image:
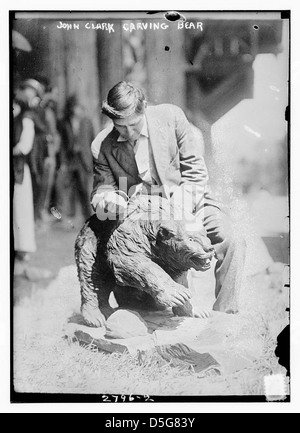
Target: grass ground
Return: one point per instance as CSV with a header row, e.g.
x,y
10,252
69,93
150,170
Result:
x,y
45,362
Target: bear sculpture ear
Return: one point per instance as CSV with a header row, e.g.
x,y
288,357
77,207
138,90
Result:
x,y
166,231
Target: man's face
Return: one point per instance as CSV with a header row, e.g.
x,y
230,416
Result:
x,y
130,127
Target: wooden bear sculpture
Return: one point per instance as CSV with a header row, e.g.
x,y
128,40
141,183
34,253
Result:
x,y
142,258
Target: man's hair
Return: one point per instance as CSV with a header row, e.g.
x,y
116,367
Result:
x,y
123,100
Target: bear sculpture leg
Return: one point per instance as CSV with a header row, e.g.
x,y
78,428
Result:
x,y
147,276
96,279
185,310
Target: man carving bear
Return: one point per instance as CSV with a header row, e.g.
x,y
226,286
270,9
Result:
x,y
152,149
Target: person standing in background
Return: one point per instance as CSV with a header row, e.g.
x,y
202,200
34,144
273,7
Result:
x,y
23,213
49,104
42,159
75,176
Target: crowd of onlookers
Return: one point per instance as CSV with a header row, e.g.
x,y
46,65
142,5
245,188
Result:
x,y
52,166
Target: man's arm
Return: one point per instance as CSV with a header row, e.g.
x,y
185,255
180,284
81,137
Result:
x,y
194,176
104,180
106,199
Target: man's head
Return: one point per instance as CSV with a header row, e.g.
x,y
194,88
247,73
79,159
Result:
x,y
126,105
30,92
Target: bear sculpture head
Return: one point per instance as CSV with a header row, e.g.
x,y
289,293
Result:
x,y
181,249
150,231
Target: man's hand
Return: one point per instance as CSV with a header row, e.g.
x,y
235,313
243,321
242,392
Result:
x,y
110,205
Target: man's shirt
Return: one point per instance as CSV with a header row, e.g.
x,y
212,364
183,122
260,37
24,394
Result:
x,y
142,152
141,149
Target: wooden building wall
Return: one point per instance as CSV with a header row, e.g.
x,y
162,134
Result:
x,y
206,73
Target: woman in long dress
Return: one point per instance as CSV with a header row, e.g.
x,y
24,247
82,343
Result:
x,y
23,213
